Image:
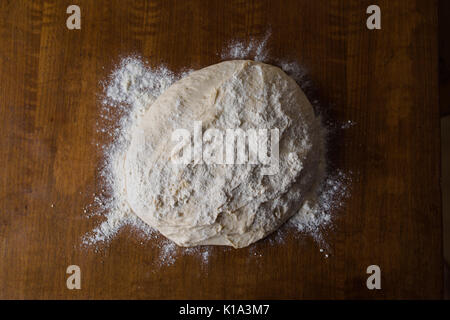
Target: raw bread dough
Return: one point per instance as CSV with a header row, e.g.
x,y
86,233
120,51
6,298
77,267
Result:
x,y
220,204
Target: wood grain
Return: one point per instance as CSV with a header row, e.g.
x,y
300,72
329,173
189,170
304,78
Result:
x,y
444,58
385,81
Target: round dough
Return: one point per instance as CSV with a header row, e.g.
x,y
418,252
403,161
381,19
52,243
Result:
x,y
221,204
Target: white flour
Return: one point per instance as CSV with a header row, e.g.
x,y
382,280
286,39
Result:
x,y
131,88
255,50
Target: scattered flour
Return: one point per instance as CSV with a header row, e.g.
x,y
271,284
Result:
x,y
167,255
317,213
131,88
128,92
254,49
348,124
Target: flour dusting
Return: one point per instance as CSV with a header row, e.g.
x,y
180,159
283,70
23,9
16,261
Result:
x,y
129,91
132,87
254,49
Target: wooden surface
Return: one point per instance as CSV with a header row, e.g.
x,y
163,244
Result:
x,y
444,57
385,81
444,103
445,183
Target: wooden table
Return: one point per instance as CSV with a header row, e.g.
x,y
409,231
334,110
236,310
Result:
x,y
383,80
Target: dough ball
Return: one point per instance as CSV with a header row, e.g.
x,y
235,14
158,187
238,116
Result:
x,y
216,203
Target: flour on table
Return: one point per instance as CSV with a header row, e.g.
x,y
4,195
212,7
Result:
x,y
254,49
130,89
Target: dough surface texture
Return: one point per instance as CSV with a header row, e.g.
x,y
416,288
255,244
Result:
x,y
224,204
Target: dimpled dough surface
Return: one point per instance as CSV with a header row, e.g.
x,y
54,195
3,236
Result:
x,y
223,204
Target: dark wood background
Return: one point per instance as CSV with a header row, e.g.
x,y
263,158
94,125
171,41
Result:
x,y
385,81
